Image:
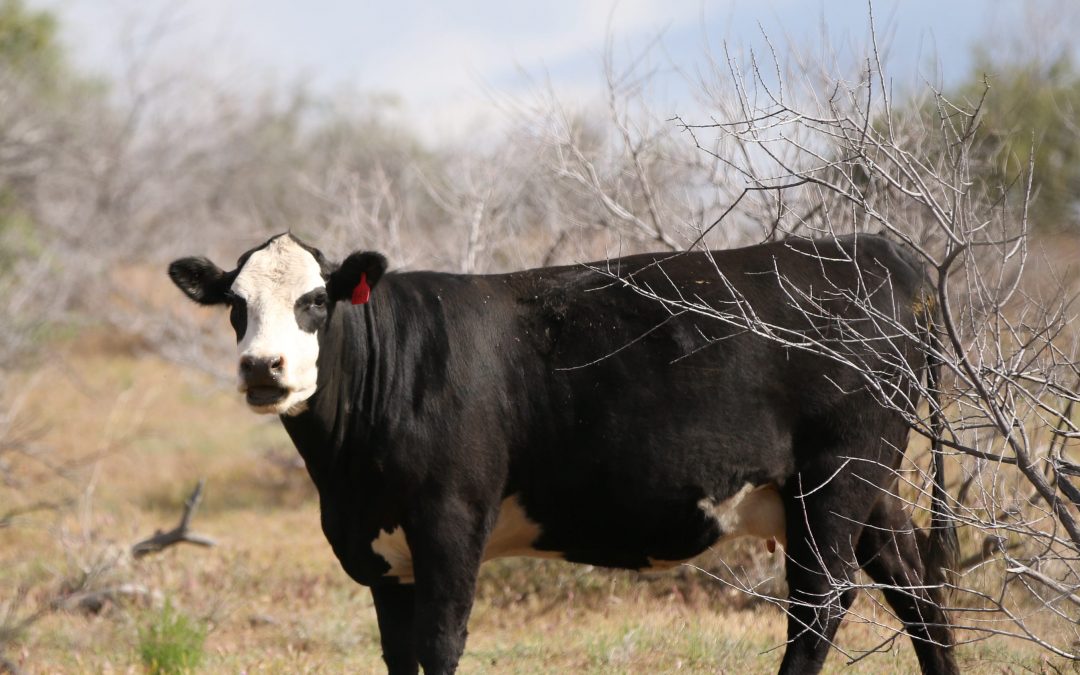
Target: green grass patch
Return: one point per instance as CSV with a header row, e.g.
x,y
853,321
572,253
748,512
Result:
x,y
171,643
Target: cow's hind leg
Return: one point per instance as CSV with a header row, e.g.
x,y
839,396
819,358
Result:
x,y
825,511
889,553
394,606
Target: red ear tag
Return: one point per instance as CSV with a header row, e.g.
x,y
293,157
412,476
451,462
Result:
x,y
362,293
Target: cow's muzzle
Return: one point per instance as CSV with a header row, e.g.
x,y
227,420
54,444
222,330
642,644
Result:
x,y
261,379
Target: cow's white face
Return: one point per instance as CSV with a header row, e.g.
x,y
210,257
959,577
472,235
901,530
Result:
x,y
280,296
281,292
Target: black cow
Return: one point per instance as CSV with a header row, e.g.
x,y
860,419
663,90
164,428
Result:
x,y
448,419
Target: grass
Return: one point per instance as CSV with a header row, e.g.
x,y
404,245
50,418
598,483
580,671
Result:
x,y
171,643
271,598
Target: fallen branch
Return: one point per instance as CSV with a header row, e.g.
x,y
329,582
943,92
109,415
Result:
x,y
93,602
162,540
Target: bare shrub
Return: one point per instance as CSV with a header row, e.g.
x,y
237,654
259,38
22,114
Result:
x,y
824,156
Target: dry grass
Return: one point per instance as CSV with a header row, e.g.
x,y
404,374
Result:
x,y
273,596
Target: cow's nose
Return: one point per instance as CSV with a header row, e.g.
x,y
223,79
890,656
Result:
x,y
261,371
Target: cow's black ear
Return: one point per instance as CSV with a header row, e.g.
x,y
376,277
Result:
x,y
201,280
361,267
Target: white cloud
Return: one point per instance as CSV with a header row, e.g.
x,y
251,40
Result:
x,y
440,57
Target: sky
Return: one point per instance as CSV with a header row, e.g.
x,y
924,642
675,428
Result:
x,y
446,61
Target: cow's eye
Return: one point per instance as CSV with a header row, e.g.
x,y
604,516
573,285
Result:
x,y
310,309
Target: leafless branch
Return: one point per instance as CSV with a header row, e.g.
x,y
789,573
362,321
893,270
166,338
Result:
x,y
179,534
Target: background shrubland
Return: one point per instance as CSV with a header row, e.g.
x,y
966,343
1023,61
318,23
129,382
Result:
x,y
115,395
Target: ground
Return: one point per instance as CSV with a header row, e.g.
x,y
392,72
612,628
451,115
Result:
x,y
142,431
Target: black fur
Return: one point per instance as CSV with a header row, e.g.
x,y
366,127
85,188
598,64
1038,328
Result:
x,y
311,309
610,417
237,314
201,280
345,278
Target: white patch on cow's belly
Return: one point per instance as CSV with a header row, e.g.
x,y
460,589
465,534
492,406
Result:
x,y
512,535
392,547
753,511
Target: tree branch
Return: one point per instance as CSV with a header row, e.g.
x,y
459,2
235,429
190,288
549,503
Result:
x,y
179,534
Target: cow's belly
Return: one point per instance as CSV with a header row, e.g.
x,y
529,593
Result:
x,y
513,535
752,511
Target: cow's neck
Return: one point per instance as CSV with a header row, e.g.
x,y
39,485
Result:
x,y
338,422
363,368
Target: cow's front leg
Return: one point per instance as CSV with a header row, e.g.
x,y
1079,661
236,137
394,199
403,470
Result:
x,y
394,606
447,542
